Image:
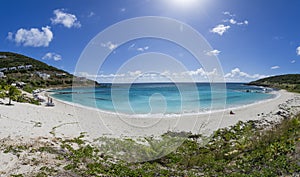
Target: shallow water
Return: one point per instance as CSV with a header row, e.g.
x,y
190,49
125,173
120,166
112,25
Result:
x,y
164,98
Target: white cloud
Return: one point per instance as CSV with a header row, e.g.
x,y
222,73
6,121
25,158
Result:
x,y
220,29
213,53
123,9
135,73
33,37
235,22
198,75
298,50
91,14
199,71
275,67
138,75
103,77
237,75
10,36
232,21
52,55
142,49
131,46
229,14
109,45
66,19
293,61
245,22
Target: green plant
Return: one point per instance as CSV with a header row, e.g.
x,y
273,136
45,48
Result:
x,y
13,93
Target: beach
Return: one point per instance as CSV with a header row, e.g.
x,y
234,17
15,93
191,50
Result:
x,y
34,127
28,121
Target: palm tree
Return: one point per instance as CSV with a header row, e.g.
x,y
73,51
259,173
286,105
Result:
x,y
12,92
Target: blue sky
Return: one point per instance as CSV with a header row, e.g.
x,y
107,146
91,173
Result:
x,y
250,38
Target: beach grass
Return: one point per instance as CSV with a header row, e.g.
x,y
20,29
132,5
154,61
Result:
x,y
252,148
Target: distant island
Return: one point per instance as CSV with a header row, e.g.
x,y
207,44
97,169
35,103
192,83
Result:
x,y
289,82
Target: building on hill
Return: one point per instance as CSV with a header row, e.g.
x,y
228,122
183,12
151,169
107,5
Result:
x,y
60,74
3,56
12,68
3,69
2,75
28,66
45,76
20,84
21,67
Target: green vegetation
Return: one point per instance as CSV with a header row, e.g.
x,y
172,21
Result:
x,y
13,92
15,60
253,148
289,82
30,76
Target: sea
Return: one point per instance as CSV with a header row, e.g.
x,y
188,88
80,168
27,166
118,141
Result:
x,y
165,98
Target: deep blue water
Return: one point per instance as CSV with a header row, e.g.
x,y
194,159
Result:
x,y
164,98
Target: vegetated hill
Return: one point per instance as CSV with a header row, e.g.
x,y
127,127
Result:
x,y
36,75
290,82
8,59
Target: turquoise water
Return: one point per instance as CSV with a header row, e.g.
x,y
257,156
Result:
x,y
164,98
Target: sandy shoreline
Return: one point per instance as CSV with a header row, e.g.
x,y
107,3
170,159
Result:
x,y
67,120
39,125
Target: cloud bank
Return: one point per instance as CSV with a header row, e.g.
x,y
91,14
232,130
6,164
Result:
x,y
198,75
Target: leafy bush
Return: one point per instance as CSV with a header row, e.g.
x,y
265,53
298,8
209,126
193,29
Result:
x,y
245,149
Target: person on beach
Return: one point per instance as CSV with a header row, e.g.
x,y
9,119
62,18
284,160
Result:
x,y
231,113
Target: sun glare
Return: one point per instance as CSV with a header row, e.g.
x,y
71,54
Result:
x,y
185,3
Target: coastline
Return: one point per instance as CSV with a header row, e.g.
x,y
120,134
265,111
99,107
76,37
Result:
x,y
69,120
159,115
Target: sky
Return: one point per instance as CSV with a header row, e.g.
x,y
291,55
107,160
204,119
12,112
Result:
x,y
247,39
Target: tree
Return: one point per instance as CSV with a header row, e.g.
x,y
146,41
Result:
x,y
12,93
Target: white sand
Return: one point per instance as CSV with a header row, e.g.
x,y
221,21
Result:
x,y
67,120
25,123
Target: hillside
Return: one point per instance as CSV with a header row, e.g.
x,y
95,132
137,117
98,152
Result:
x,y
290,82
34,73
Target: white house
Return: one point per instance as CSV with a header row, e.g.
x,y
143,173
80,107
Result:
x,y
45,76
60,74
21,67
28,66
2,75
20,84
3,69
12,68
